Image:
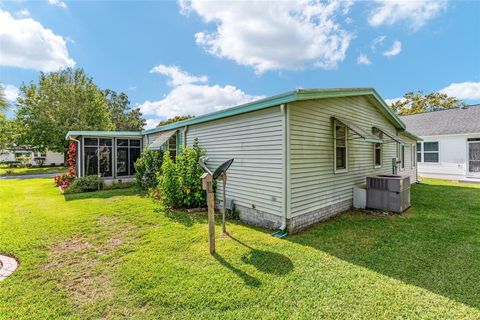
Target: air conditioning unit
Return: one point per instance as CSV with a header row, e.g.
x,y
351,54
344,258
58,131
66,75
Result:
x,y
388,192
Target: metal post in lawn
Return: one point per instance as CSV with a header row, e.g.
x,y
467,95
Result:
x,y
224,201
207,184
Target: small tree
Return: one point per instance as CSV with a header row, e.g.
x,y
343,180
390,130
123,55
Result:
x,y
147,169
174,119
417,102
180,185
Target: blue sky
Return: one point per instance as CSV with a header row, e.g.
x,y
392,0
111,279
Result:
x,y
197,57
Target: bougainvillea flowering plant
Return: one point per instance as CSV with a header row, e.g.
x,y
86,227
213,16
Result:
x,y
65,179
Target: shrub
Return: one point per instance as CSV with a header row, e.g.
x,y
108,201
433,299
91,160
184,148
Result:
x,y
85,184
64,180
118,185
180,185
147,169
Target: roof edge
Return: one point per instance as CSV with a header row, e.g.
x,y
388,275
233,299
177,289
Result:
x,y
71,134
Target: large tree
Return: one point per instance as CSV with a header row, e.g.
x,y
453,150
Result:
x,y
418,102
61,101
9,132
3,101
124,118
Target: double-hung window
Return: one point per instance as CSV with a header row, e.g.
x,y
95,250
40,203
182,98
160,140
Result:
x,y
428,152
340,135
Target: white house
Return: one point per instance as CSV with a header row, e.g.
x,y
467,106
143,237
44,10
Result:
x,y
298,155
49,157
451,143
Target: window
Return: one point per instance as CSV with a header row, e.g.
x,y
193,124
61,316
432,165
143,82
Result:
x,y
377,149
401,155
428,152
414,154
98,155
172,146
419,152
340,142
128,151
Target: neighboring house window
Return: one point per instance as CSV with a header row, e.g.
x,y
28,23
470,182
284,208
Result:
x,y
413,155
377,149
340,141
419,152
428,152
128,151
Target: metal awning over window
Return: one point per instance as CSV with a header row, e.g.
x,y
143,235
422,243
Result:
x,y
161,139
392,136
368,137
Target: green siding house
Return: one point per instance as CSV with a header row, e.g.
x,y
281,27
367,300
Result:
x,y
298,155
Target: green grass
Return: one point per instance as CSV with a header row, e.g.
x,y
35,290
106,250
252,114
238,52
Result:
x,y
33,170
117,254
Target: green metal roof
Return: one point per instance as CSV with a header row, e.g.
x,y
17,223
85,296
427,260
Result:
x,y
71,134
297,95
291,96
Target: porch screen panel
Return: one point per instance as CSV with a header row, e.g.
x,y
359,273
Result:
x,y
134,155
122,157
105,158
91,161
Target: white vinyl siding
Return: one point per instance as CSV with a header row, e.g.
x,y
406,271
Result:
x,y
254,140
314,184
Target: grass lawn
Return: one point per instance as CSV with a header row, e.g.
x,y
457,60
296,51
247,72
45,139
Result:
x,y
116,254
34,170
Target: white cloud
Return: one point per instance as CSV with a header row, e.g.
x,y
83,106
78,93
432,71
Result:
x,y
191,95
58,3
28,44
177,76
363,59
377,42
464,90
414,13
396,49
24,13
11,92
151,123
281,35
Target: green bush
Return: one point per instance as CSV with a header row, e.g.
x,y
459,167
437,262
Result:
x,y
180,185
147,169
85,184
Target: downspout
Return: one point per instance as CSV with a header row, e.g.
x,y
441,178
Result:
x,y
79,152
282,230
184,134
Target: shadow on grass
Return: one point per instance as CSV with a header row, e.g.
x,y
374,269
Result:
x,y
266,261
435,246
248,279
101,194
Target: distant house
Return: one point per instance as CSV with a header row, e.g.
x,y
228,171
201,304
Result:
x,y
451,146
298,155
31,155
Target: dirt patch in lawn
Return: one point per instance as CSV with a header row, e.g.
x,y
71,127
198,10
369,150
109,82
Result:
x,y
84,266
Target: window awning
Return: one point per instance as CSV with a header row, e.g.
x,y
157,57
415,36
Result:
x,y
161,139
392,136
368,137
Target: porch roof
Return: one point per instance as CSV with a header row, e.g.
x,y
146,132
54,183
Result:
x,y
74,134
